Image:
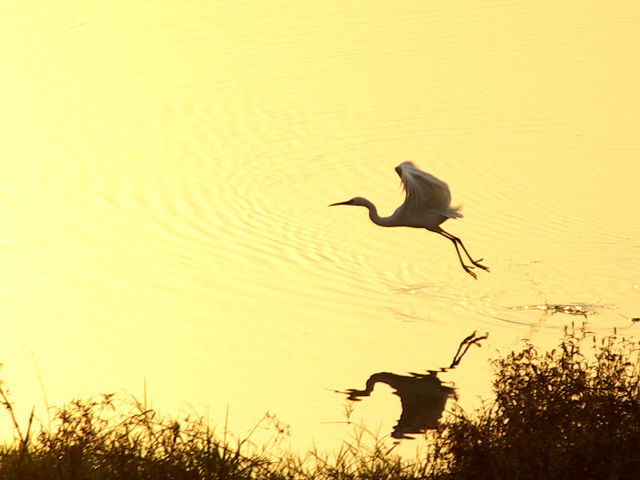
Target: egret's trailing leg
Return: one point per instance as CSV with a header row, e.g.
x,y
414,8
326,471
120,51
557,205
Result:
x,y
457,241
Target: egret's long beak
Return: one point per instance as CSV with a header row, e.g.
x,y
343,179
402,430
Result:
x,y
339,203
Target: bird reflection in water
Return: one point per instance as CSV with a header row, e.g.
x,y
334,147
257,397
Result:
x,y
423,396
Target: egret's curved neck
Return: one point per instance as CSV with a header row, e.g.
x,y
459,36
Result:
x,y
373,214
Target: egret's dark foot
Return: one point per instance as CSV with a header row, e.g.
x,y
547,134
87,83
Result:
x,y
468,270
479,265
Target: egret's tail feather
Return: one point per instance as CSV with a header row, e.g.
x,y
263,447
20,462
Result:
x,y
455,212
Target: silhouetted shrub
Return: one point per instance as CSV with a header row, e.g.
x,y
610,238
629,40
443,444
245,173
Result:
x,y
557,415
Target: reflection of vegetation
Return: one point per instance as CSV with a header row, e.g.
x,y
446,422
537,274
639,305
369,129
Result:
x,y
555,415
548,310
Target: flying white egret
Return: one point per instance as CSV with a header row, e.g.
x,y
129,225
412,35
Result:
x,y
427,205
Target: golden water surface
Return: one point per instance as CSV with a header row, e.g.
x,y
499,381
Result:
x,y
166,171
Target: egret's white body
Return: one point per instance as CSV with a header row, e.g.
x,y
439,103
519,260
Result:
x,y
427,205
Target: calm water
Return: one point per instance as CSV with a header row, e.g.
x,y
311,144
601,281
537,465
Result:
x,y
167,168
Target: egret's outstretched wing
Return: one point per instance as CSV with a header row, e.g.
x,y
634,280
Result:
x,y
426,192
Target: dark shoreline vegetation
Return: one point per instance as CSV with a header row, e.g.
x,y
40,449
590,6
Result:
x,y
573,412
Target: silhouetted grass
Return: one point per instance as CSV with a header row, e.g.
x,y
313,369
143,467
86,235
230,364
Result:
x,y
556,415
108,437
